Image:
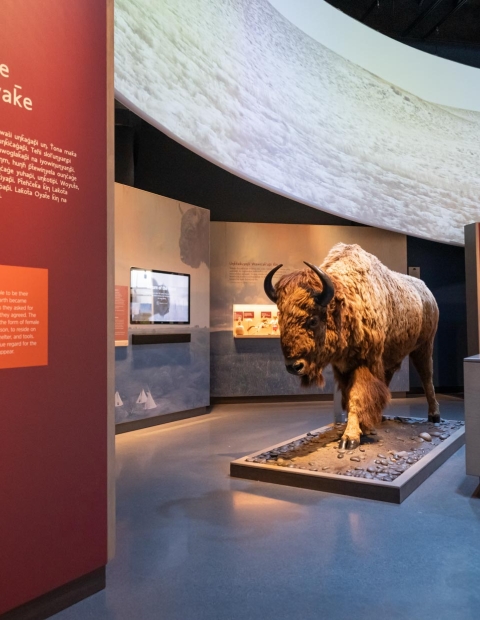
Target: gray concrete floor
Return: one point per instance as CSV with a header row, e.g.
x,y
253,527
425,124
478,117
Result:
x,y
195,544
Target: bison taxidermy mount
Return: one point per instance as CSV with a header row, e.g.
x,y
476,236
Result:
x,y
363,319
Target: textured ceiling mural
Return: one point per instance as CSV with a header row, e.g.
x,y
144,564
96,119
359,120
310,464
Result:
x,y
239,84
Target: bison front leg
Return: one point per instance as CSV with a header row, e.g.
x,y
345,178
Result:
x,y
366,396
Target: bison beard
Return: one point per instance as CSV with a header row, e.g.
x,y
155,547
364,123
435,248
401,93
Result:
x,y
363,319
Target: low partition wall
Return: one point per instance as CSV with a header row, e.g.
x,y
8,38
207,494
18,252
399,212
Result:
x,y
242,254
160,369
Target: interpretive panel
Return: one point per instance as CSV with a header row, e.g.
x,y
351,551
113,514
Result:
x,y
55,290
23,317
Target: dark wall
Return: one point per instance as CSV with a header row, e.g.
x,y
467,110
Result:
x,y
149,160
442,268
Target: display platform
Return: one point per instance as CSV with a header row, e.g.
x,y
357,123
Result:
x,y
388,466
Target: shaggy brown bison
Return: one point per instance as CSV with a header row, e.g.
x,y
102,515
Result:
x,y
363,319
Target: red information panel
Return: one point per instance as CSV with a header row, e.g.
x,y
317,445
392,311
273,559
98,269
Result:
x,y
23,317
54,279
121,315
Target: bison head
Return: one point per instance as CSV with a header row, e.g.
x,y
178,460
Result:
x,y
302,298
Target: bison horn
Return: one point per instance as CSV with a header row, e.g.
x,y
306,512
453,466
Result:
x,y
268,285
326,296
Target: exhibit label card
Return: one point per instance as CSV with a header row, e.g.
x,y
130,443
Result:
x,y
23,317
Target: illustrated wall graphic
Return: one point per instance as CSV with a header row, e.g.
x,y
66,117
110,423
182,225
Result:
x,y
194,227
262,99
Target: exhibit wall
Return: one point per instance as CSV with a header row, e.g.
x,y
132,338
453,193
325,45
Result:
x,y
241,255
54,289
442,268
157,233
352,123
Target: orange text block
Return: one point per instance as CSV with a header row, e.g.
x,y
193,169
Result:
x,y
23,317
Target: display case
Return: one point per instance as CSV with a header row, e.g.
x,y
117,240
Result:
x,y
255,321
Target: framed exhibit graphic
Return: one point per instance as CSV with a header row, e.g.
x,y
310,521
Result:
x,y
255,321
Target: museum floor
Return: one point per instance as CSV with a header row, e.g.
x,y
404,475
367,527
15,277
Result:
x,y
195,544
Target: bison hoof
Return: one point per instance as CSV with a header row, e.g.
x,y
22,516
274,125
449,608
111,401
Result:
x,y
434,417
348,444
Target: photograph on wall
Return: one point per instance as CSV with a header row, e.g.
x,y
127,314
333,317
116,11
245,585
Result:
x,y
159,297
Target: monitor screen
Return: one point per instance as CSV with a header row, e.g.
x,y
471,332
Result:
x,y
158,297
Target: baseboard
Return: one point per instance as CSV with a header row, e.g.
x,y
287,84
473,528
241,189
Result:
x,y
293,398
135,425
445,389
59,599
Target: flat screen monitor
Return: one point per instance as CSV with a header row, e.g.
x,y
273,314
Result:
x,y
159,297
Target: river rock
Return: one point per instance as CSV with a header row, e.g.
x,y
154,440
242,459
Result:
x,y
372,469
355,458
425,436
340,455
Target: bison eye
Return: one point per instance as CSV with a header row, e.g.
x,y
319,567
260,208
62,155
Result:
x,y
313,322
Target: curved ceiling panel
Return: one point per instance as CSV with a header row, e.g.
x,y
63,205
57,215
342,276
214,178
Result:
x,y
241,85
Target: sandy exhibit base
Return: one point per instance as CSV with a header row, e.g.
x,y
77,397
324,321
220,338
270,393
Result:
x,y
389,464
